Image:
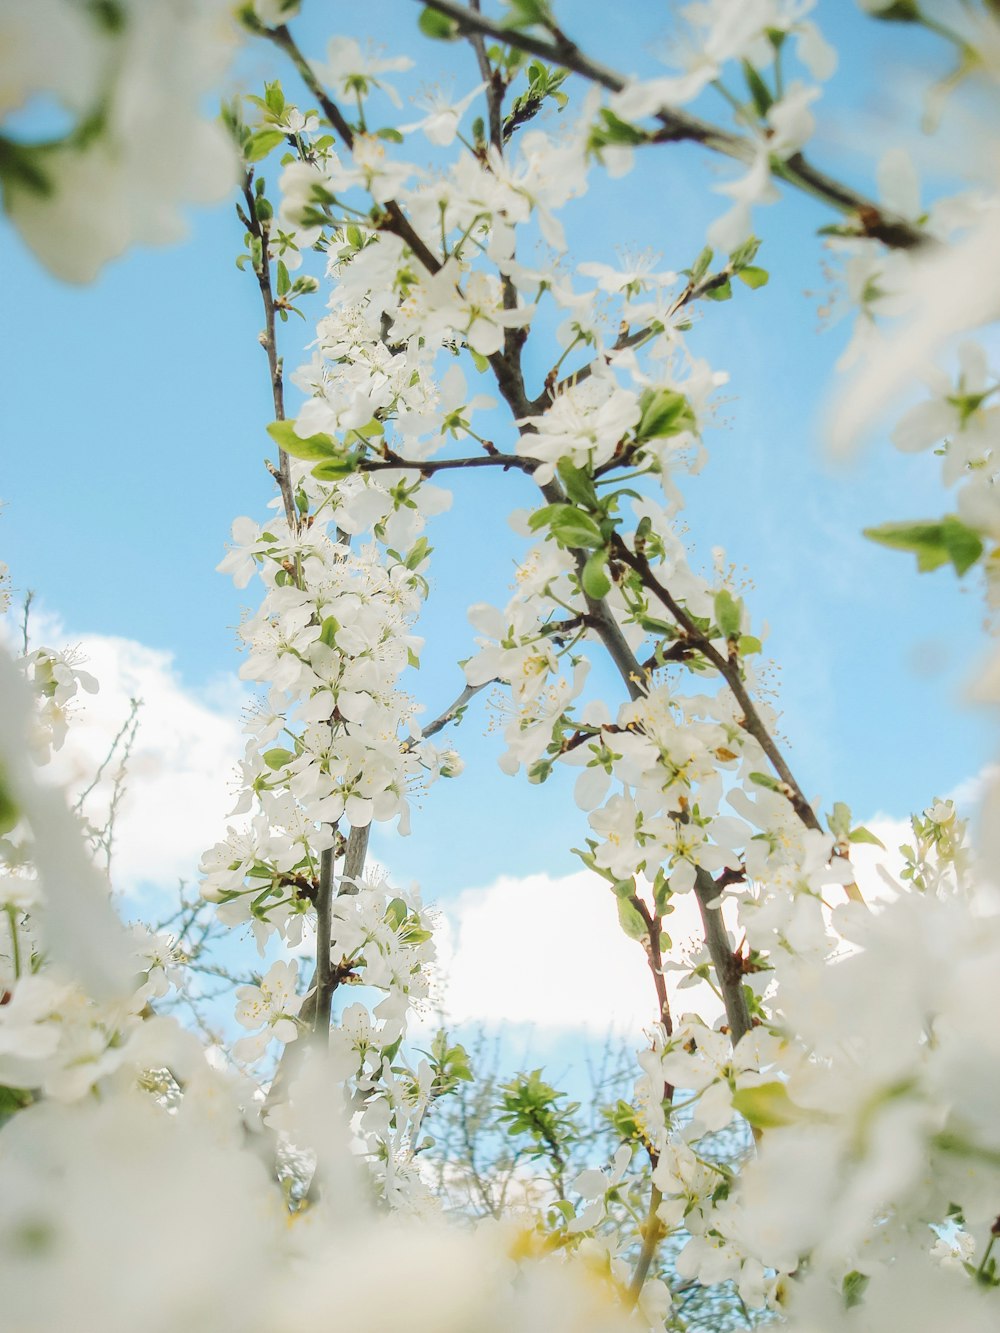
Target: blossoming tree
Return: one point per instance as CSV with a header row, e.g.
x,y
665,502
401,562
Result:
x,y
856,1041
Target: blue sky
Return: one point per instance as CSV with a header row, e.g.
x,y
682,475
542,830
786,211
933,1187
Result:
x,y
133,428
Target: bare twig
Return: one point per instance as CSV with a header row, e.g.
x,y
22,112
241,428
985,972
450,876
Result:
x,y
268,338
29,597
428,467
450,713
494,85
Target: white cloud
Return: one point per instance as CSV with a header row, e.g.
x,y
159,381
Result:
x,y
179,782
549,952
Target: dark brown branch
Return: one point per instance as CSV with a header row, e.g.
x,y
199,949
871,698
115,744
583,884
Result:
x,y
654,958
429,466
751,720
283,38
393,218
797,171
322,980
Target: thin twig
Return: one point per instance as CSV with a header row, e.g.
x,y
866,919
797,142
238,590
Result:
x,y
450,713
874,221
494,85
261,231
429,466
751,720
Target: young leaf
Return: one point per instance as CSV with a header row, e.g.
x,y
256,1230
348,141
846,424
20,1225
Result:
x,y
753,277
728,613
631,920
840,821
758,89
862,834
934,544
594,577
721,293
578,484
664,412
853,1286
573,528
336,469
439,26
963,545
314,446
261,144
766,1106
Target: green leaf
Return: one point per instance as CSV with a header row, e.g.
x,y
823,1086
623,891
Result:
x,y
274,97
284,282
664,412
728,613
853,1286
8,810
436,25
478,360
336,469
765,780
753,277
12,1100
541,518
701,265
611,129
594,578
902,11
278,758
261,144
631,920
934,544
721,293
840,821
578,484
745,253
526,13
328,631
314,446
925,540
758,89
862,834
962,543
766,1106
418,553
573,528
749,644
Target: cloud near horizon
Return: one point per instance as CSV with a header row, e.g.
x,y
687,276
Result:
x,y
540,951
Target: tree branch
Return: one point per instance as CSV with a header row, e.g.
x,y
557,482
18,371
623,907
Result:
x,y
324,924
429,466
268,338
494,85
751,721
875,222
450,713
